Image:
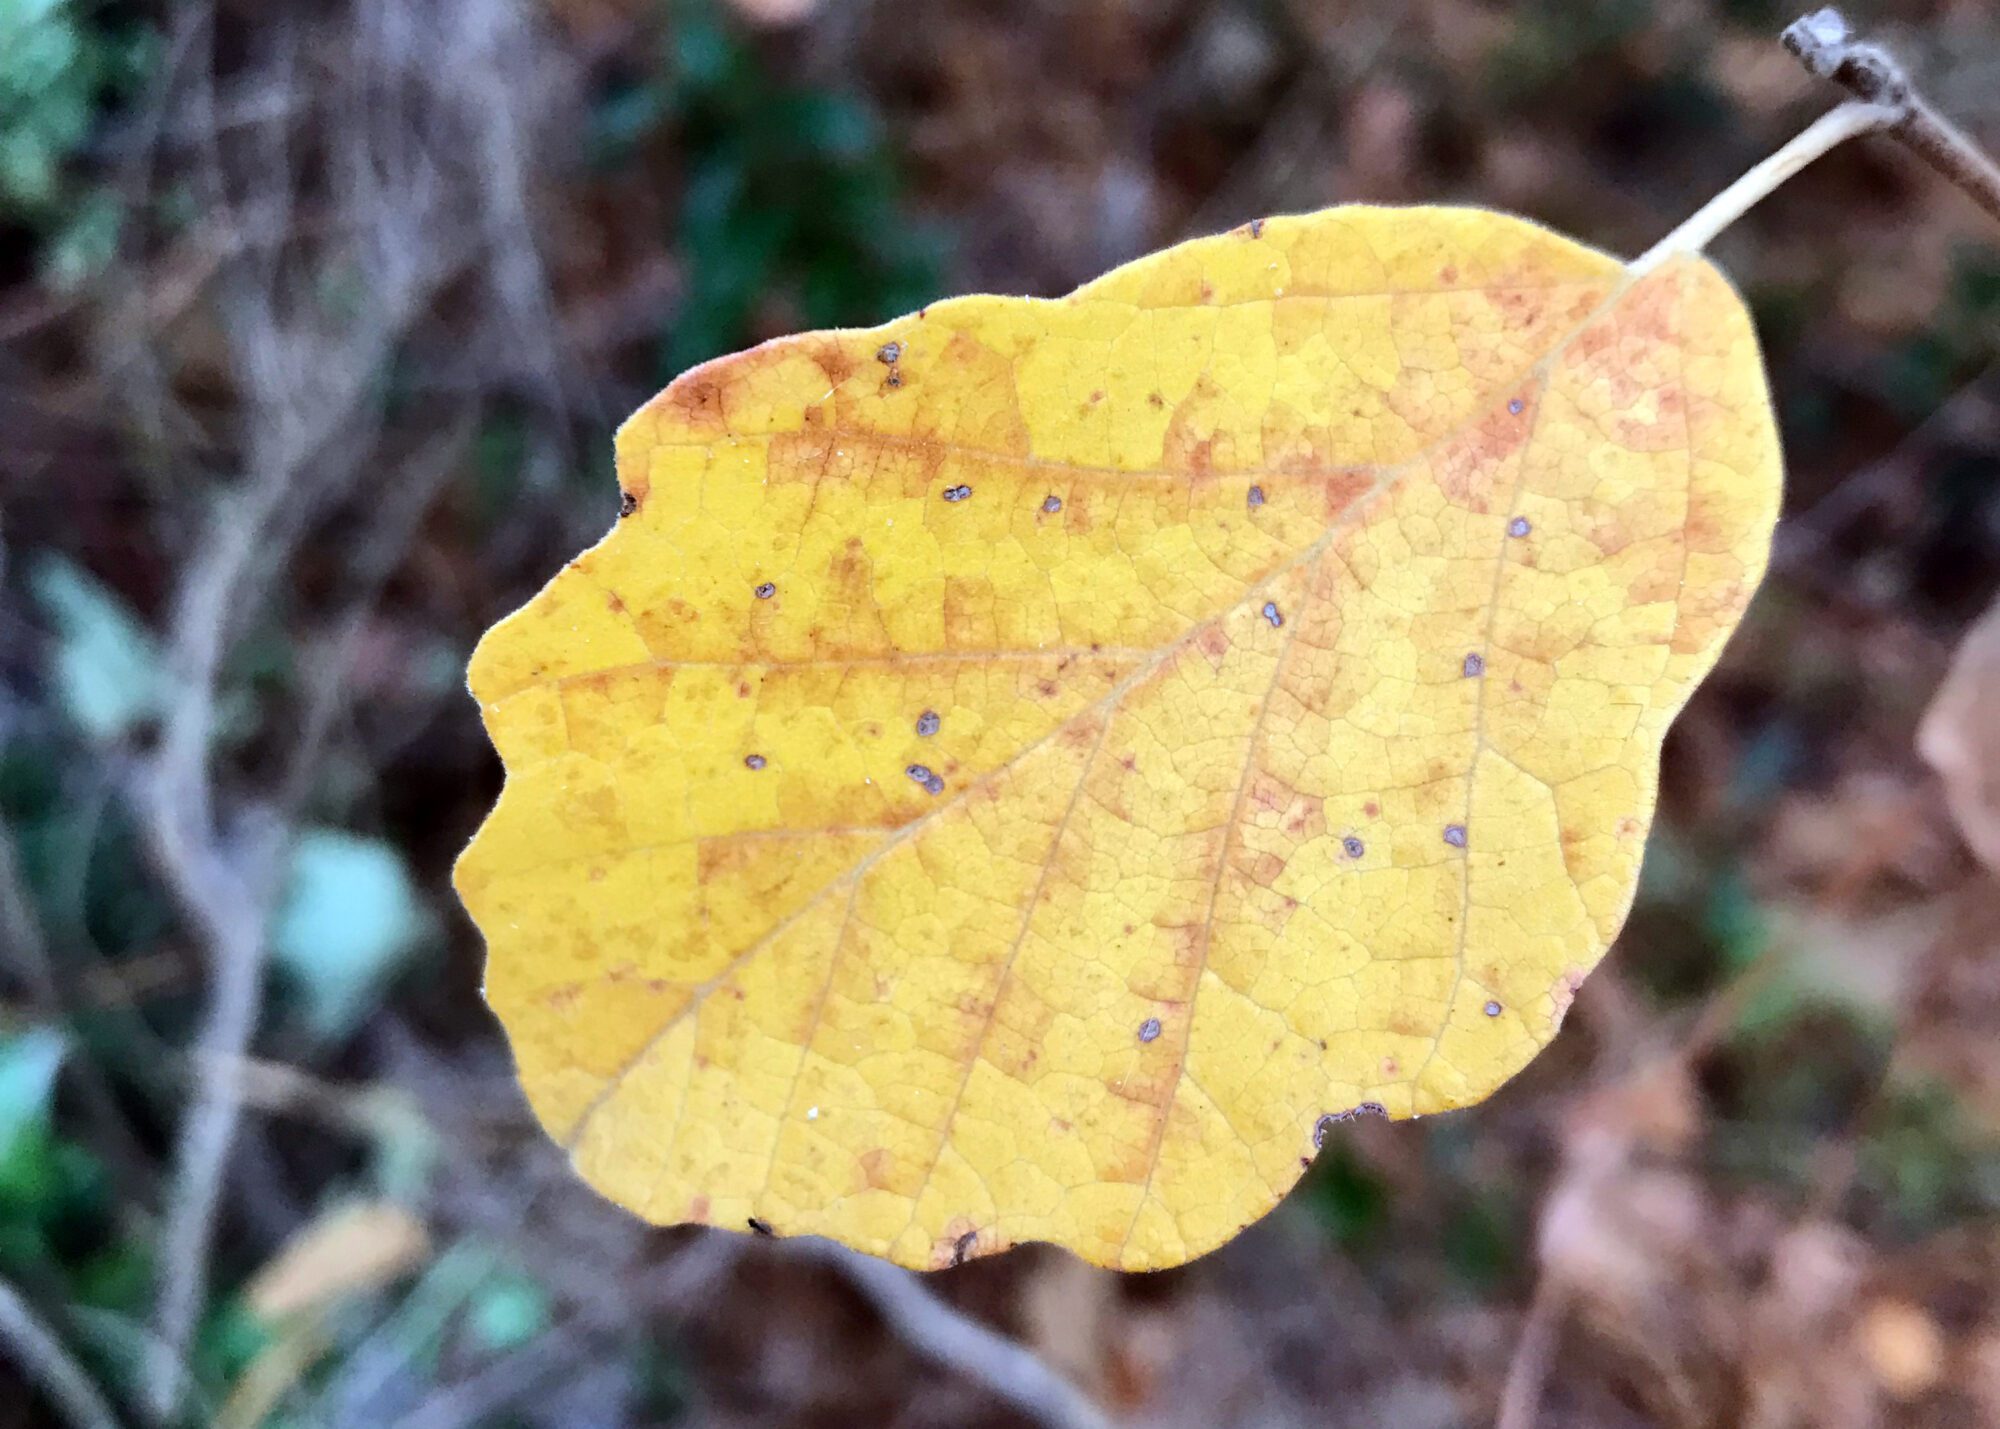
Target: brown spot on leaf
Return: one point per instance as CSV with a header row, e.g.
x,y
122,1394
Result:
x,y
696,400
1563,995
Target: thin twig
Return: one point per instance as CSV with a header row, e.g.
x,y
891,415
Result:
x,y
45,1361
1802,539
1826,45
687,1282
1528,1371
942,1334
309,387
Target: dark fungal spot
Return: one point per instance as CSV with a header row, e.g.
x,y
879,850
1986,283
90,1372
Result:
x,y
957,493
1353,846
1271,614
1149,1029
927,723
1454,834
761,1227
923,774
627,503
1256,496
753,761
962,1247
1256,228
1515,406
1519,527
1475,665
895,378
765,591
1052,503
1493,1009
889,352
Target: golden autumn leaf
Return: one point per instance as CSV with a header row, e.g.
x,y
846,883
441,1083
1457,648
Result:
x,y
1021,772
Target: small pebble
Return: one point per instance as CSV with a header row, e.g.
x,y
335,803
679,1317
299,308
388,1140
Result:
x,y
1149,1029
1052,504
765,591
1271,614
1454,834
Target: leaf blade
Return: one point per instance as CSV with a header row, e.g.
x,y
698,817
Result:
x,y
845,1032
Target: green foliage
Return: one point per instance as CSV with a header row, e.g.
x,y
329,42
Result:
x,y
107,670
791,214
507,1311
48,88
1348,1199
58,1215
1486,1241
1956,343
349,918
28,1064
60,65
1926,1163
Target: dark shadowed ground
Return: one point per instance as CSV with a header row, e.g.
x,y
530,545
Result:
x,y
315,321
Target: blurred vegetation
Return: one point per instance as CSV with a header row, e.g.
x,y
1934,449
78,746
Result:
x,y
68,67
1792,1036
791,211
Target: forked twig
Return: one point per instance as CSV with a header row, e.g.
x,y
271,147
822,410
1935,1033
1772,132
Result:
x,y
1884,100
1826,45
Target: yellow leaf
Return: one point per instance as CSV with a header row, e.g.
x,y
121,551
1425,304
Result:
x,y
1022,772
352,1249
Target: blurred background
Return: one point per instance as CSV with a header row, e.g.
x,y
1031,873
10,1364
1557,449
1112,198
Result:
x,y
316,317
